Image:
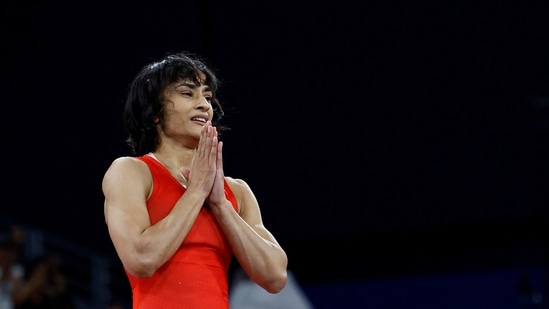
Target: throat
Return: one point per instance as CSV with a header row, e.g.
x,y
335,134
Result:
x,y
174,171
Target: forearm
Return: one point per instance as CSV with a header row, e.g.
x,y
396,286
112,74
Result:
x,y
155,244
255,248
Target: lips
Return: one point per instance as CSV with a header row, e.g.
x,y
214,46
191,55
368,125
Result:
x,y
199,119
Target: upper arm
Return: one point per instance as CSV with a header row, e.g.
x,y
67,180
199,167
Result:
x,y
248,207
126,186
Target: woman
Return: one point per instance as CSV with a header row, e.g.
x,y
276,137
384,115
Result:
x,y
174,218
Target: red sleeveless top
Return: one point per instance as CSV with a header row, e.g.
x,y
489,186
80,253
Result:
x,y
196,276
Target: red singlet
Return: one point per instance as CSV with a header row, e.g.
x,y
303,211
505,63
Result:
x,y
196,276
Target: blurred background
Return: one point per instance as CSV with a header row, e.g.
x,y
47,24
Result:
x,y
399,150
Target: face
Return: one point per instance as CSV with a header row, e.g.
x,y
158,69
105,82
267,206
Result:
x,y
187,108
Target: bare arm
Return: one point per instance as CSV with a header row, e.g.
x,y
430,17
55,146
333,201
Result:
x,y
143,247
255,248
127,184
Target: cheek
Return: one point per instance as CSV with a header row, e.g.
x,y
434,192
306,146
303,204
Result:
x,y
174,119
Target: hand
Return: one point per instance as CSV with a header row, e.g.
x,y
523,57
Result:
x,y
217,195
203,169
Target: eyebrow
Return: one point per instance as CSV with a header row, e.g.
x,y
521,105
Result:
x,y
192,86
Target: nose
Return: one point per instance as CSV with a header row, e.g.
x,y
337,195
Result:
x,y
204,105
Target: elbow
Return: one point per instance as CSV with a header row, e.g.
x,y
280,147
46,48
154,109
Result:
x,y
141,273
141,268
277,279
276,283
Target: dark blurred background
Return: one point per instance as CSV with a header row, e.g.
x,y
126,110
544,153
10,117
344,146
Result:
x,y
383,139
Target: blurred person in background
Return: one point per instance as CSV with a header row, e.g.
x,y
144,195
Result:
x,y
11,271
44,286
246,294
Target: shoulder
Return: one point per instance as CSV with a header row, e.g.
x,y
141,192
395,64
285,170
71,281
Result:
x,y
129,166
243,193
126,163
126,174
237,185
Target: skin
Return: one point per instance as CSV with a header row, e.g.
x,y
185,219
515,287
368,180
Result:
x,y
191,151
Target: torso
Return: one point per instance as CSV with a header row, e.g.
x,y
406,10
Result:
x,y
196,275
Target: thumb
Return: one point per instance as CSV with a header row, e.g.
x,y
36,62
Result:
x,y
185,172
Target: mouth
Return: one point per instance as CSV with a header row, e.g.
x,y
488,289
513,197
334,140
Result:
x,y
199,119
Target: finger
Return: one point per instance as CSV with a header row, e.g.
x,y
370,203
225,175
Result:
x,y
205,141
220,155
213,146
185,172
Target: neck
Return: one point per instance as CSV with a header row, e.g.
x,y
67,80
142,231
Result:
x,y
174,165
174,156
